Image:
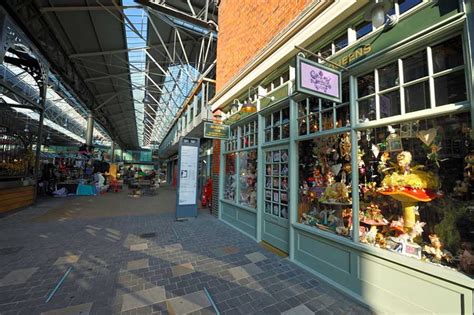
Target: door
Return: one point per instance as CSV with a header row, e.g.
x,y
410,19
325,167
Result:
x,y
275,211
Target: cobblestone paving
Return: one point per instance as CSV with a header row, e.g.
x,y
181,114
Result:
x,y
114,270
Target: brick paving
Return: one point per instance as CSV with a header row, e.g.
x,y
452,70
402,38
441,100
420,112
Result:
x,y
146,263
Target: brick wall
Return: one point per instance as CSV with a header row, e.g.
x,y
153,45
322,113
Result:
x,y
246,27
215,177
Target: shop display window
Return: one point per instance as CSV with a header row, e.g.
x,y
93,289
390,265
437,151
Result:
x,y
249,135
277,125
230,178
325,179
416,184
315,114
248,178
407,85
276,183
231,144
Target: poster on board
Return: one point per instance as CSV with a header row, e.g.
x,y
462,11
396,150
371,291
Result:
x,y
188,175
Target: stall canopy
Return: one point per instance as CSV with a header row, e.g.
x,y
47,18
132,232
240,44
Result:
x,y
132,63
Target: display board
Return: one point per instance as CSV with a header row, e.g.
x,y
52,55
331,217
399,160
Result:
x,y
186,197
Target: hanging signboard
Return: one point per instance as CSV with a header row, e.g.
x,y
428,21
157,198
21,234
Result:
x,y
315,79
186,203
216,131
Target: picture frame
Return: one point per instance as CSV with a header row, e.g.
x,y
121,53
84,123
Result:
x,y
394,144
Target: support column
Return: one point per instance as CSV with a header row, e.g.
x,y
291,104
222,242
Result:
x,y
90,129
112,155
39,143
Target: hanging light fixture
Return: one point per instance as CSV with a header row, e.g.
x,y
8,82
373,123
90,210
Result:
x,y
27,129
376,12
250,107
234,107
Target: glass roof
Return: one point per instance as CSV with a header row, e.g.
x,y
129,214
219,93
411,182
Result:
x,y
178,81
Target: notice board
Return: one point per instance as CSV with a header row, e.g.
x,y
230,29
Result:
x,y
186,197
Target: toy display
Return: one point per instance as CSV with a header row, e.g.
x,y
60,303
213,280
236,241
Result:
x,y
416,192
276,179
325,179
230,184
248,178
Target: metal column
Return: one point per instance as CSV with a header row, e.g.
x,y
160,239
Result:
x,y
90,129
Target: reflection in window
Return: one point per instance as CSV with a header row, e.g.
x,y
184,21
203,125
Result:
x,y
450,88
405,5
341,42
277,125
448,55
390,104
363,29
415,66
417,97
417,186
388,76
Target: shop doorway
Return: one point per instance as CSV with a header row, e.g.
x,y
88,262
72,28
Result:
x,y
275,221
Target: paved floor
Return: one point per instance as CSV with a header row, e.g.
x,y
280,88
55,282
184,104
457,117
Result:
x,y
128,255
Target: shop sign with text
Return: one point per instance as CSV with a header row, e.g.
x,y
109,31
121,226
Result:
x,y
315,79
216,131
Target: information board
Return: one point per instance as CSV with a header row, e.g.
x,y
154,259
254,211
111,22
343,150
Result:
x,y
216,131
188,175
186,197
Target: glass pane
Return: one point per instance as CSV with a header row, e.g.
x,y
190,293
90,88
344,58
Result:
x,y
388,76
390,104
367,110
268,134
285,115
313,123
325,104
268,121
326,51
417,97
450,88
248,178
276,133
325,179
341,42
286,77
302,108
405,5
230,177
328,119
313,104
276,118
365,84
268,207
345,92
276,82
285,131
448,55
416,195
303,126
415,66
342,116
363,29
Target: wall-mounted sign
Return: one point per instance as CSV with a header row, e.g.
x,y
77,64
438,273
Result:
x,y
216,131
315,79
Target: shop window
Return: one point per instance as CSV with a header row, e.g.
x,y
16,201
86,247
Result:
x,y
248,178
276,183
325,200
341,42
230,181
276,83
316,114
326,51
386,96
249,135
416,189
231,143
277,125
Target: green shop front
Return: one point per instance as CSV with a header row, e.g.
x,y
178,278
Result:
x,y
373,193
